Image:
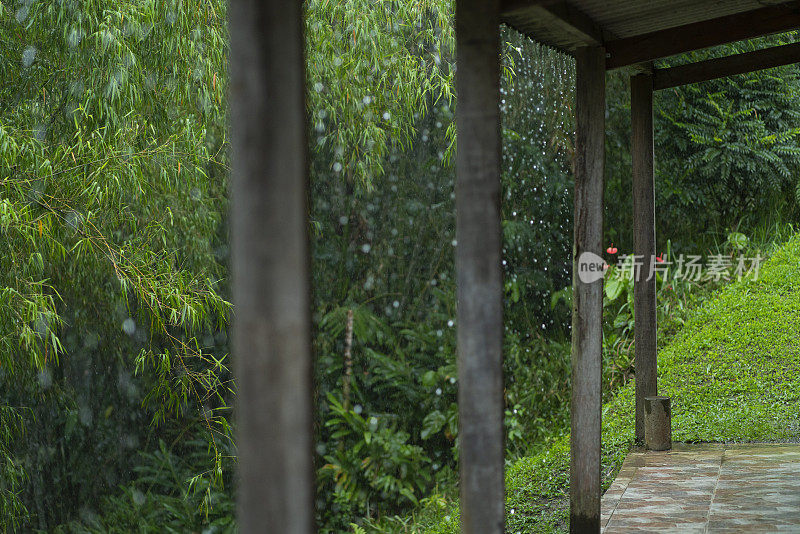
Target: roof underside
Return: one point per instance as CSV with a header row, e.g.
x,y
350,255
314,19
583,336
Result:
x,y
569,24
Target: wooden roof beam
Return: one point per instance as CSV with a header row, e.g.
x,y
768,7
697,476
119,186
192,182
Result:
x,y
711,69
560,15
672,41
507,6
573,22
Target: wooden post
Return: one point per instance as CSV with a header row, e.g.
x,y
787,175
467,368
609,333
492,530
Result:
x,y
479,276
644,243
270,268
587,315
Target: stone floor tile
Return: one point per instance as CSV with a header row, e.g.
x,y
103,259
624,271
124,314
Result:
x,y
710,487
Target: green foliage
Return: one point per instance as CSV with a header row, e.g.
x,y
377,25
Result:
x,y
728,148
725,152
731,372
380,96
113,310
160,499
374,69
112,196
386,254
374,459
12,475
379,472
737,359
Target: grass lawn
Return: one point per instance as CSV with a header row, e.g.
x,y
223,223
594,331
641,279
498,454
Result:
x,y
733,373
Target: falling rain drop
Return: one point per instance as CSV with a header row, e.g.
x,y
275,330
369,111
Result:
x,y
28,55
74,38
129,326
45,378
22,13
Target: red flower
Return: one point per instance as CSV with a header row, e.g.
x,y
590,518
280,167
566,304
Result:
x,y
660,258
612,249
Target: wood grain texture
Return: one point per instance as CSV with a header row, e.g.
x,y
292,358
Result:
x,y
587,316
644,244
479,276
270,268
727,29
563,17
721,67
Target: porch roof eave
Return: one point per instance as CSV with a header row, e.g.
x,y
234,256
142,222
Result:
x,y
640,31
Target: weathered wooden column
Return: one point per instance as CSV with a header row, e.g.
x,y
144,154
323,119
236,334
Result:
x,y
644,243
587,315
271,335
480,293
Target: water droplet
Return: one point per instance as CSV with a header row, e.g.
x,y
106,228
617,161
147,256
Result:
x,y
40,132
22,13
74,38
45,378
137,497
129,326
42,325
85,415
28,55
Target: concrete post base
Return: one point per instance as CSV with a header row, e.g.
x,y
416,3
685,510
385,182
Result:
x,y
658,423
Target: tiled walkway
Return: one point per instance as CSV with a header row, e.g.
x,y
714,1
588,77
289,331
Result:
x,y
707,488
